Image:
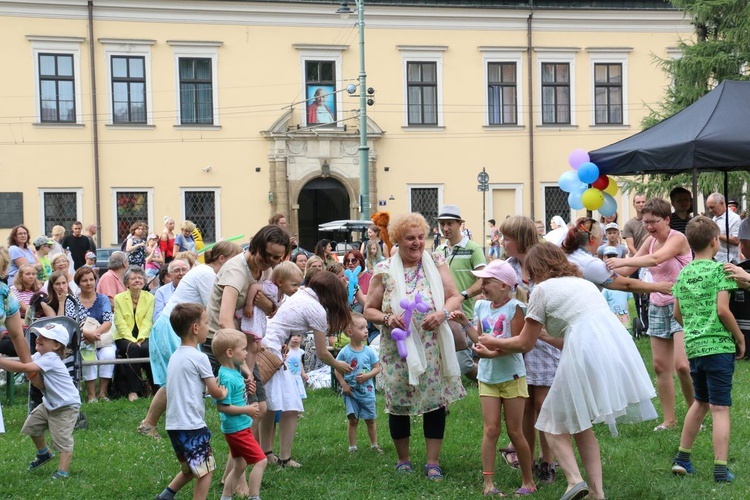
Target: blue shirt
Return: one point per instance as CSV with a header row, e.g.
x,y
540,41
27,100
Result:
x,y
496,322
236,396
361,362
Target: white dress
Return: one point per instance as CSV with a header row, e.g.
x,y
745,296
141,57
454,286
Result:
x,y
601,376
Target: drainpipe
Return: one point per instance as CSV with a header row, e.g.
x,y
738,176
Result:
x,y
529,47
95,124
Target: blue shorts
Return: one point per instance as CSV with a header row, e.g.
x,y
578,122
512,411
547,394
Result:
x,y
193,450
712,378
360,407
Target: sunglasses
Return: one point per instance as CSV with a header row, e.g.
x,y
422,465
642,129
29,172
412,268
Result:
x,y
589,221
351,261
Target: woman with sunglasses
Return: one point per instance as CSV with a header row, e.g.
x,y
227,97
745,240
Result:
x,y
665,252
354,259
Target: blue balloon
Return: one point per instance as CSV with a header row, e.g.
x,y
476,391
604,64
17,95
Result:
x,y
574,200
568,181
609,207
588,173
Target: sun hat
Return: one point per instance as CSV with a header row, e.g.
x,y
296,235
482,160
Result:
x,y
609,251
54,331
500,270
43,240
449,212
611,225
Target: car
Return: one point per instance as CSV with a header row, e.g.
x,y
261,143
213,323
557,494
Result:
x,y
102,257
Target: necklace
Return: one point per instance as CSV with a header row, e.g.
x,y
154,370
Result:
x,y
414,279
501,304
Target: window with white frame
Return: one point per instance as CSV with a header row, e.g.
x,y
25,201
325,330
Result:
x,y
321,82
609,67
502,104
132,206
58,78
426,200
196,76
60,207
557,84
201,206
423,84
129,79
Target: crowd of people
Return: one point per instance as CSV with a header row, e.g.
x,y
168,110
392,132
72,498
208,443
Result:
x,y
530,328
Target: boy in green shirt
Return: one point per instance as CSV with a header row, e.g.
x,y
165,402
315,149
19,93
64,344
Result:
x,y
712,340
43,247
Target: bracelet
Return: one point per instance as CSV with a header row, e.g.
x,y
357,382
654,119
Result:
x,y
386,318
447,314
468,327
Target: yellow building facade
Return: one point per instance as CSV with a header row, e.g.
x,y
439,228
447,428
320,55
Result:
x,y
226,112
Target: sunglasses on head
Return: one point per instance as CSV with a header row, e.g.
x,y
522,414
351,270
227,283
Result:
x,y
586,224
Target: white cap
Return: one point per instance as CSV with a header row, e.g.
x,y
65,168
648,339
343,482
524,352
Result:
x,y
611,225
54,331
610,251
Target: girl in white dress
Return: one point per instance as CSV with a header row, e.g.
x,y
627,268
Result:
x,y
585,390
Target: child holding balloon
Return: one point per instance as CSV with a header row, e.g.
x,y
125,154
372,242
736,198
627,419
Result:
x,y
358,385
502,378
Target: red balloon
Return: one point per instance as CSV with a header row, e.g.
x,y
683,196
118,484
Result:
x,y
601,183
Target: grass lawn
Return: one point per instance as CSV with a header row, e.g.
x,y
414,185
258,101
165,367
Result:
x,y
112,461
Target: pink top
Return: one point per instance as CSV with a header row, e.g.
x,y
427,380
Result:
x,y
667,271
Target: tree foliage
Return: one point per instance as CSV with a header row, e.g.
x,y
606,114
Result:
x,y
720,51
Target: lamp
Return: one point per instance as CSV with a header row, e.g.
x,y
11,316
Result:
x,y
257,169
387,169
270,197
364,150
391,198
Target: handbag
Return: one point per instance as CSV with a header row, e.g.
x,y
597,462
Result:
x,y
268,364
106,339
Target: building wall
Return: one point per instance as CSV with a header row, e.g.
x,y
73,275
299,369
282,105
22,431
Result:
x,y
260,48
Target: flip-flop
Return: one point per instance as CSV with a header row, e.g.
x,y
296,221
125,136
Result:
x,y
523,491
577,492
662,427
404,467
510,457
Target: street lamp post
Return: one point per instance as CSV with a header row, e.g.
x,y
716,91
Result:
x,y
364,149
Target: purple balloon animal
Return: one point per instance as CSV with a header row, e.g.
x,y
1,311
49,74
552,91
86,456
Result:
x,y
400,335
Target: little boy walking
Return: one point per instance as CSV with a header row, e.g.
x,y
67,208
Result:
x,y
60,402
188,372
358,386
230,348
712,340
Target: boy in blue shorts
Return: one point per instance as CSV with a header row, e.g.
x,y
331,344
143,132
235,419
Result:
x,y
188,373
358,386
230,348
712,341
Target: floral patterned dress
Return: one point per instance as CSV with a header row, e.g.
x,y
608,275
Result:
x,y
434,390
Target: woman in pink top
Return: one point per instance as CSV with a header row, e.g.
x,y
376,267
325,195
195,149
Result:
x,y
665,252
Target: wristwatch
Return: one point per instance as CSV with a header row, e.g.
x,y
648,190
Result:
x,y
465,295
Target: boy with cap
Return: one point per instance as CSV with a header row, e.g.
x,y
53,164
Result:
x,y
43,247
612,243
463,256
60,403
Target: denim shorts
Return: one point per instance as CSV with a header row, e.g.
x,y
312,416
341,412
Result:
x,y
661,322
712,378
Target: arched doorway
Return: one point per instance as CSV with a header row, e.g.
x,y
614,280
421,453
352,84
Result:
x,y
320,200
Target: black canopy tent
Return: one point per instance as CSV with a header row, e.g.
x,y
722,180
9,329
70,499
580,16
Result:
x,y
713,133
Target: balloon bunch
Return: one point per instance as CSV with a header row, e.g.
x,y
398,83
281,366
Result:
x,y
398,334
588,188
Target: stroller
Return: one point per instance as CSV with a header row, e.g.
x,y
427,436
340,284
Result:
x,y
642,302
72,360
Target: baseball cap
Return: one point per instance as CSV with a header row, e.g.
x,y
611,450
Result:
x,y
54,331
449,212
43,240
90,255
611,225
610,251
500,270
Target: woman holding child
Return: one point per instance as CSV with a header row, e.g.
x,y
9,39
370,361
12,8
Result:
x,y
429,379
584,390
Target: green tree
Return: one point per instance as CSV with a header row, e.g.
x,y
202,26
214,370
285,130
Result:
x,y
720,51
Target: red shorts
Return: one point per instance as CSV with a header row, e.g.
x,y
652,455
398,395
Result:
x,y
243,444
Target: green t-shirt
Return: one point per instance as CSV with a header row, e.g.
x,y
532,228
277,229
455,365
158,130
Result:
x,y
462,260
43,273
697,288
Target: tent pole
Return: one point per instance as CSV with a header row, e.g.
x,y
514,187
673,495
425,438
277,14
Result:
x,y
726,214
695,191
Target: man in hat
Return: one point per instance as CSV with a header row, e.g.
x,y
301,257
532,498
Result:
x,y
43,247
463,257
733,205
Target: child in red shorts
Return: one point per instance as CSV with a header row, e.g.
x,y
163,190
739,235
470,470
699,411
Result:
x,y
230,348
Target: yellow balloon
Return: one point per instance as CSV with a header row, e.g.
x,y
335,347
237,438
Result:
x,y
592,199
612,188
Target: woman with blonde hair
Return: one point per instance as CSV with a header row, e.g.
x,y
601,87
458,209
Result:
x,y
61,262
184,242
12,341
135,245
24,286
166,240
314,264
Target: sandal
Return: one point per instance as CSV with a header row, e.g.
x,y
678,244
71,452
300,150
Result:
x,y
272,458
433,472
509,455
494,492
148,430
523,491
662,427
404,467
377,449
288,463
